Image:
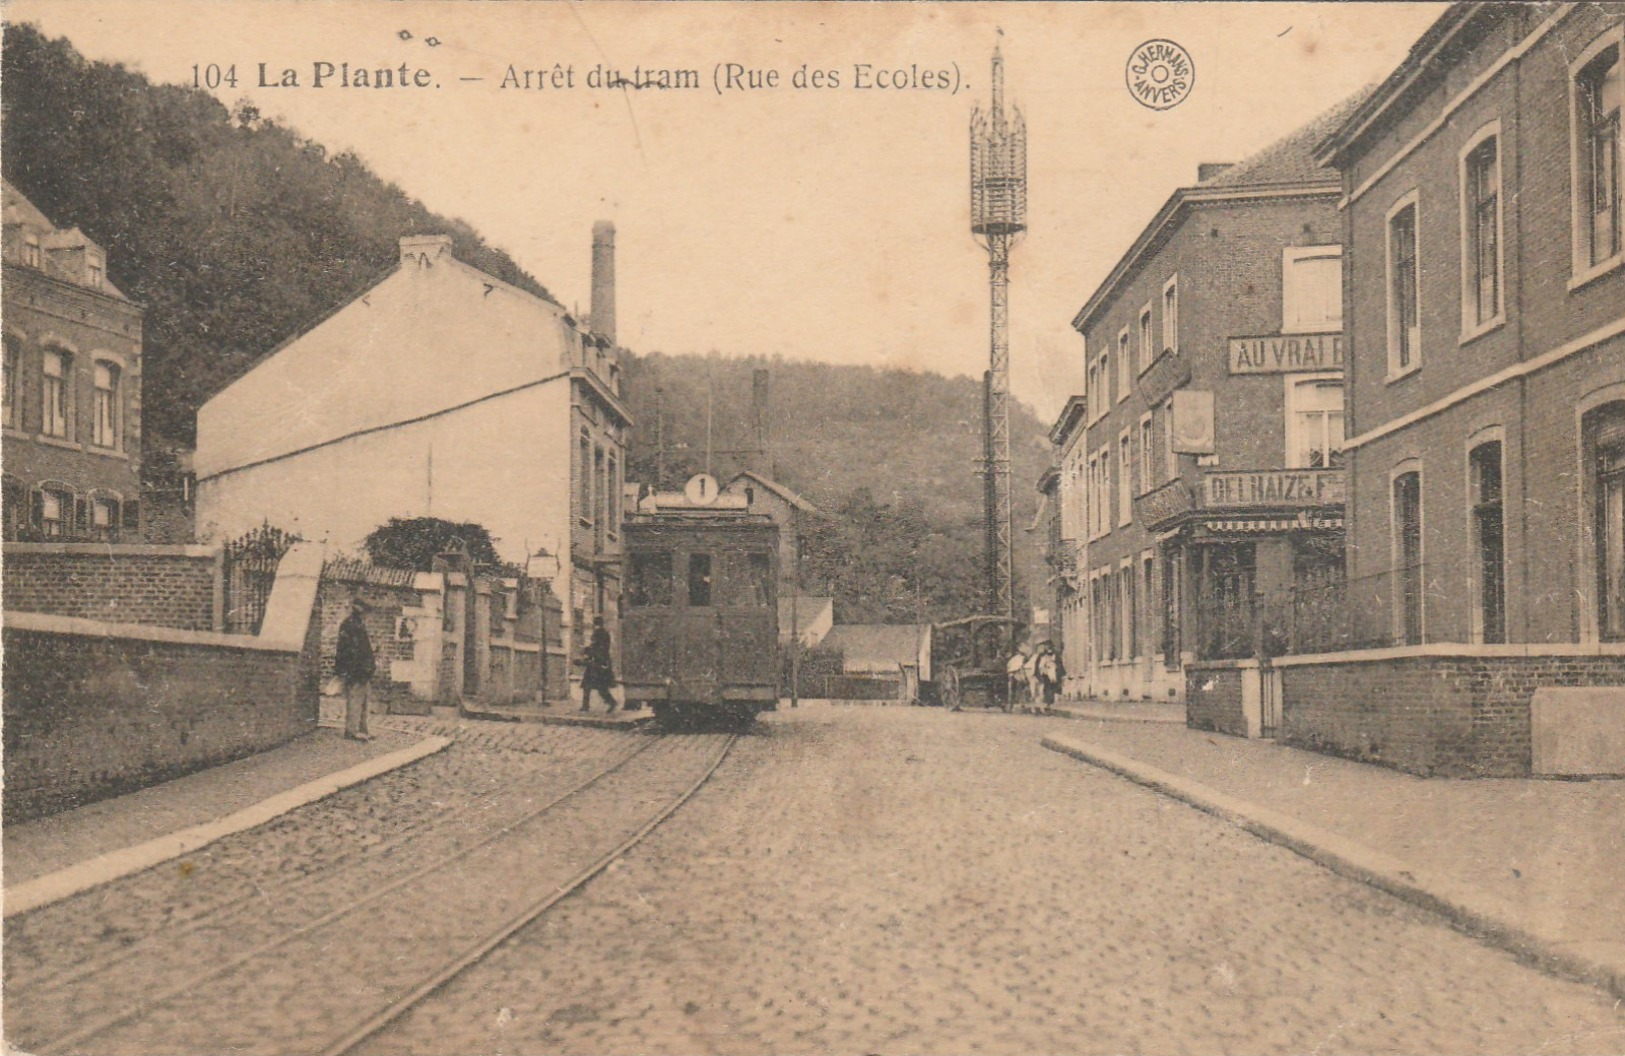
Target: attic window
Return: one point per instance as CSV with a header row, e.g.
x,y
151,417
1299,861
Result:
x,y
93,275
31,251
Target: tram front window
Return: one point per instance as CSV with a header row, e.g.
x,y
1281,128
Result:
x,y
699,581
747,581
650,580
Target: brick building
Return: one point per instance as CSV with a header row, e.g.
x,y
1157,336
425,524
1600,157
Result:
x,y
72,380
440,392
1199,474
1485,283
1487,327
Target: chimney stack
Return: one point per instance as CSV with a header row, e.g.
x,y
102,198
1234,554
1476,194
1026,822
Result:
x,y
602,319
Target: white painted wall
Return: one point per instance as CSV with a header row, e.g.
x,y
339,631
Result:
x,y
503,463
429,336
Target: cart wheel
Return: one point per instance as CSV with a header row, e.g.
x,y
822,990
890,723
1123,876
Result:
x,y
950,688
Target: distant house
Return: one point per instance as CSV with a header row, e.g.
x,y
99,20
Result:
x,y
72,379
788,510
445,392
805,618
879,660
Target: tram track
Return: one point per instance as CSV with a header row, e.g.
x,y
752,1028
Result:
x,y
486,803
251,999
372,1026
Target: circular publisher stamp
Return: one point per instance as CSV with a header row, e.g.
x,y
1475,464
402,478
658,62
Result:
x,y
1160,74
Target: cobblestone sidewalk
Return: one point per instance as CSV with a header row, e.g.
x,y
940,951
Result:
x,y
36,848
1554,851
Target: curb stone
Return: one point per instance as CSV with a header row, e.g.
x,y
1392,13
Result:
x,y
542,718
1103,715
93,872
1468,909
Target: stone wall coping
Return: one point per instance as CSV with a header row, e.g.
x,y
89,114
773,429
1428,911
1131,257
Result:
x,y
116,549
1224,665
76,625
293,594
1456,651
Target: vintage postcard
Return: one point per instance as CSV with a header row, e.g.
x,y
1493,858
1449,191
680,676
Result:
x,y
813,528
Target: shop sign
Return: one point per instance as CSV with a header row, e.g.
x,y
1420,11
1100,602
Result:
x,y
1164,504
1286,354
1286,487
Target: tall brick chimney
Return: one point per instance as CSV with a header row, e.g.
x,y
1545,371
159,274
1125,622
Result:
x,y
602,319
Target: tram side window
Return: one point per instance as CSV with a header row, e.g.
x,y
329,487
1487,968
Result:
x,y
761,580
651,580
699,581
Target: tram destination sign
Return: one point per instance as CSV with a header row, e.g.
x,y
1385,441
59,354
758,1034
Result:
x,y
1286,353
1276,487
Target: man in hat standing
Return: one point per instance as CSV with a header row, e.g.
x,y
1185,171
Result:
x,y
599,673
354,664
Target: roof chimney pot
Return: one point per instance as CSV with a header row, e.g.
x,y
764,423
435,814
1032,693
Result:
x,y
602,319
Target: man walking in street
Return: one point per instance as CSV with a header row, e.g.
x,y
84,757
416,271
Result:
x,y
355,666
599,674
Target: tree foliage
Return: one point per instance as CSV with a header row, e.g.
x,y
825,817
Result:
x,y
889,456
232,230
413,542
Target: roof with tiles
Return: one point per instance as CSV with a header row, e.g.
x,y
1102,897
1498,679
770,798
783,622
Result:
x,y
1291,159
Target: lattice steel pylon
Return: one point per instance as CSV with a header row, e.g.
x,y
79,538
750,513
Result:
x,y
998,206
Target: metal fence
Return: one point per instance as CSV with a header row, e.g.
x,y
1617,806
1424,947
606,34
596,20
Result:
x,y
251,562
1325,613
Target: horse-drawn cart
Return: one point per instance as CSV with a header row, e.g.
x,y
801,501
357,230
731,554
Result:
x,y
969,657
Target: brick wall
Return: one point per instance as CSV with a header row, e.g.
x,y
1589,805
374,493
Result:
x,y
90,716
1433,715
1213,699
386,601
161,586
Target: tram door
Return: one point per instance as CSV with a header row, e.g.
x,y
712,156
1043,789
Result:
x,y
698,644
747,620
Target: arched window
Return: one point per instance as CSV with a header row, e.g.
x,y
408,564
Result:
x,y
104,422
14,509
1488,539
104,516
1407,528
13,364
55,374
1605,476
53,511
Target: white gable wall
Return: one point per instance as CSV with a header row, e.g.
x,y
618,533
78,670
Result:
x,y
430,336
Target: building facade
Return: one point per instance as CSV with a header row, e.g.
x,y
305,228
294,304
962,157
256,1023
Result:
x,y
1487,323
1485,283
1069,550
1200,472
440,392
72,380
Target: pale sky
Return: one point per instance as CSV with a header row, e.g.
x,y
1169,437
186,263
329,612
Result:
x,y
827,224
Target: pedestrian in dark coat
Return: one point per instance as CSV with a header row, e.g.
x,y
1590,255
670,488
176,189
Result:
x,y
599,673
354,665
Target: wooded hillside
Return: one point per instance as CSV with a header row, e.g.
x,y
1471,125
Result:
x,y
236,233
890,455
233,231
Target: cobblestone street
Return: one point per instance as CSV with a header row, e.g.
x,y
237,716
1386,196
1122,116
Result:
x,y
885,880
852,879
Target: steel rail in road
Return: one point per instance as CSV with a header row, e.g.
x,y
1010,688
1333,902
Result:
x,y
45,980
104,1024
479,950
